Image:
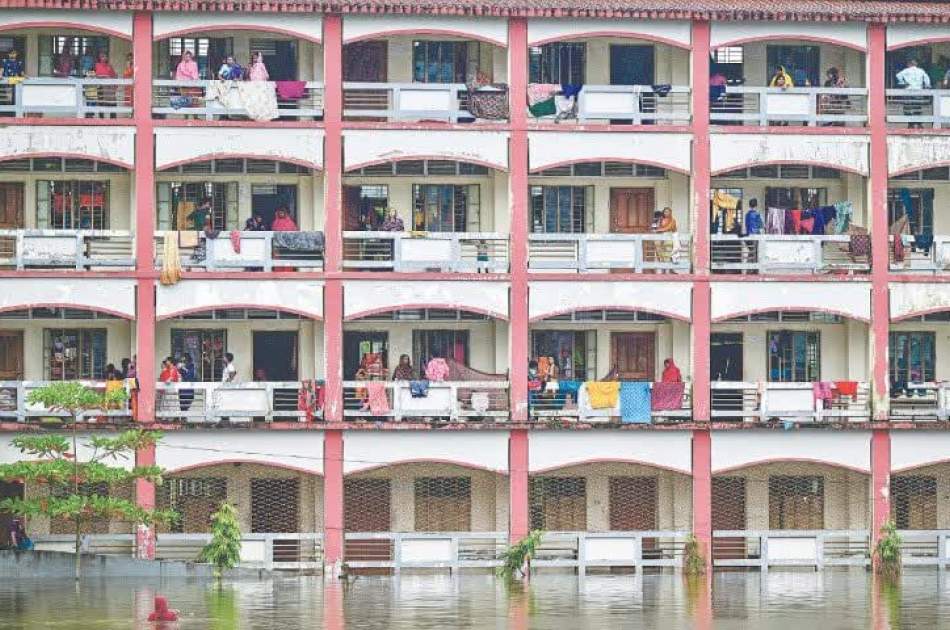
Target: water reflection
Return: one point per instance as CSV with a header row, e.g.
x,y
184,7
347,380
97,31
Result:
x,y
830,600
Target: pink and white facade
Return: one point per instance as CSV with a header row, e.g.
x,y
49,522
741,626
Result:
x,y
523,234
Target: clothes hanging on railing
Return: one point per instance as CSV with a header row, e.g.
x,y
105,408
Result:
x,y
419,389
378,401
635,402
309,399
171,260
725,208
668,396
924,242
844,210
290,90
822,393
847,388
775,221
602,394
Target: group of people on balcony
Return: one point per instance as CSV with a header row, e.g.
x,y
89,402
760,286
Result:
x,y
727,218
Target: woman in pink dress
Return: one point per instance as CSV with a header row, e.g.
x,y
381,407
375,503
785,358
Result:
x,y
283,223
258,71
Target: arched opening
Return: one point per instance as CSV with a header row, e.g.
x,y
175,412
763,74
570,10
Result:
x,y
635,347
913,202
276,369
429,363
790,513
916,375
462,207
616,215
791,366
789,218
913,74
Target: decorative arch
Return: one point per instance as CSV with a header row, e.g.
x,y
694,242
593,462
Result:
x,y
181,145
669,299
732,450
115,145
364,147
845,152
913,299
851,35
361,299
671,33
105,295
480,450
918,449
916,34
174,24
851,300
490,30
111,23
300,451
548,149
666,450
302,297
906,154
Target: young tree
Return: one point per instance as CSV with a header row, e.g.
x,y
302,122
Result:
x,y
224,550
50,460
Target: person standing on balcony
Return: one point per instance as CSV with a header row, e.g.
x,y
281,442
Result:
x,y
230,70
87,63
393,223
403,371
12,65
781,79
255,223
187,68
913,78
753,220
66,62
258,71
229,373
200,215
105,95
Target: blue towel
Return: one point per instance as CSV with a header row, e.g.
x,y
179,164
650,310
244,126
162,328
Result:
x,y
635,402
908,202
419,389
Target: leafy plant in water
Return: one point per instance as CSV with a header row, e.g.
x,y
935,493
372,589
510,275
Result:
x,y
693,561
517,558
887,553
224,550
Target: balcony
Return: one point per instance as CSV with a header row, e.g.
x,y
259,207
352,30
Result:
x,y
628,104
50,97
211,403
560,405
918,258
215,100
261,251
921,401
791,548
636,253
404,102
14,405
805,106
765,402
57,249
460,252
447,401
761,253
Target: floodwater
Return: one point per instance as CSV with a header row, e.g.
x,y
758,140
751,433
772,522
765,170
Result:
x,y
833,600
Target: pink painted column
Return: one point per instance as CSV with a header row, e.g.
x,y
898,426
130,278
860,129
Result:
x,y
519,522
145,498
702,493
880,480
333,350
333,144
880,313
332,501
518,193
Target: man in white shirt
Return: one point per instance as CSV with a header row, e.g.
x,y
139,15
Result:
x,y
229,374
913,78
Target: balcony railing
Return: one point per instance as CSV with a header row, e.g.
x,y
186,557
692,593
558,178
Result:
x,y
545,406
77,249
424,550
932,259
277,552
236,402
774,253
925,547
918,108
605,252
922,401
395,102
197,98
443,251
68,98
260,251
787,402
454,401
584,550
790,548
811,106
14,405
636,104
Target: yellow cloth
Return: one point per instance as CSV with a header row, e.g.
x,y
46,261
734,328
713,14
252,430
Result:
x,y
603,394
727,204
183,216
171,260
188,239
785,75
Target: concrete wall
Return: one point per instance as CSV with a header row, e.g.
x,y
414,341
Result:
x,y
489,498
119,340
240,342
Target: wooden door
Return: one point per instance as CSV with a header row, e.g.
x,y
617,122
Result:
x,y
11,355
631,210
729,514
633,355
11,205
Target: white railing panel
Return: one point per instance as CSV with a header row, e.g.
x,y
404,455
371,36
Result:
x,y
77,249
67,97
811,106
462,252
774,253
602,252
636,103
191,98
790,548
14,405
918,108
258,251
237,402
792,402
456,401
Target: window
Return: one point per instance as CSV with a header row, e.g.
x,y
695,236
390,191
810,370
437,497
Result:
x,y
72,205
70,55
206,348
365,207
794,356
175,201
912,358
194,500
788,198
560,209
444,207
728,61
561,63
448,344
917,204
209,52
443,504
802,62
558,503
573,352
73,354
444,62
796,502
914,501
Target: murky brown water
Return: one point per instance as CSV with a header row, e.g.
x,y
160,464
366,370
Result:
x,y
807,600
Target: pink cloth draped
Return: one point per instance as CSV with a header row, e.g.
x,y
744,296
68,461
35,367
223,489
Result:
x,y
285,224
291,90
378,402
437,369
667,396
235,237
823,392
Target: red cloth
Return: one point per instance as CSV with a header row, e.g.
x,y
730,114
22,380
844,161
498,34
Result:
x,y
162,612
667,396
806,226
291,90
104,71
236,241
170,375
847,388
796,219
898,248
378,402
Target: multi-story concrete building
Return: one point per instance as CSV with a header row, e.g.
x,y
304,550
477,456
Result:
x,y
526,149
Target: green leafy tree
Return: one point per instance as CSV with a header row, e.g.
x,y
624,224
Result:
x,y
54,462
887,553
224,550
516,560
